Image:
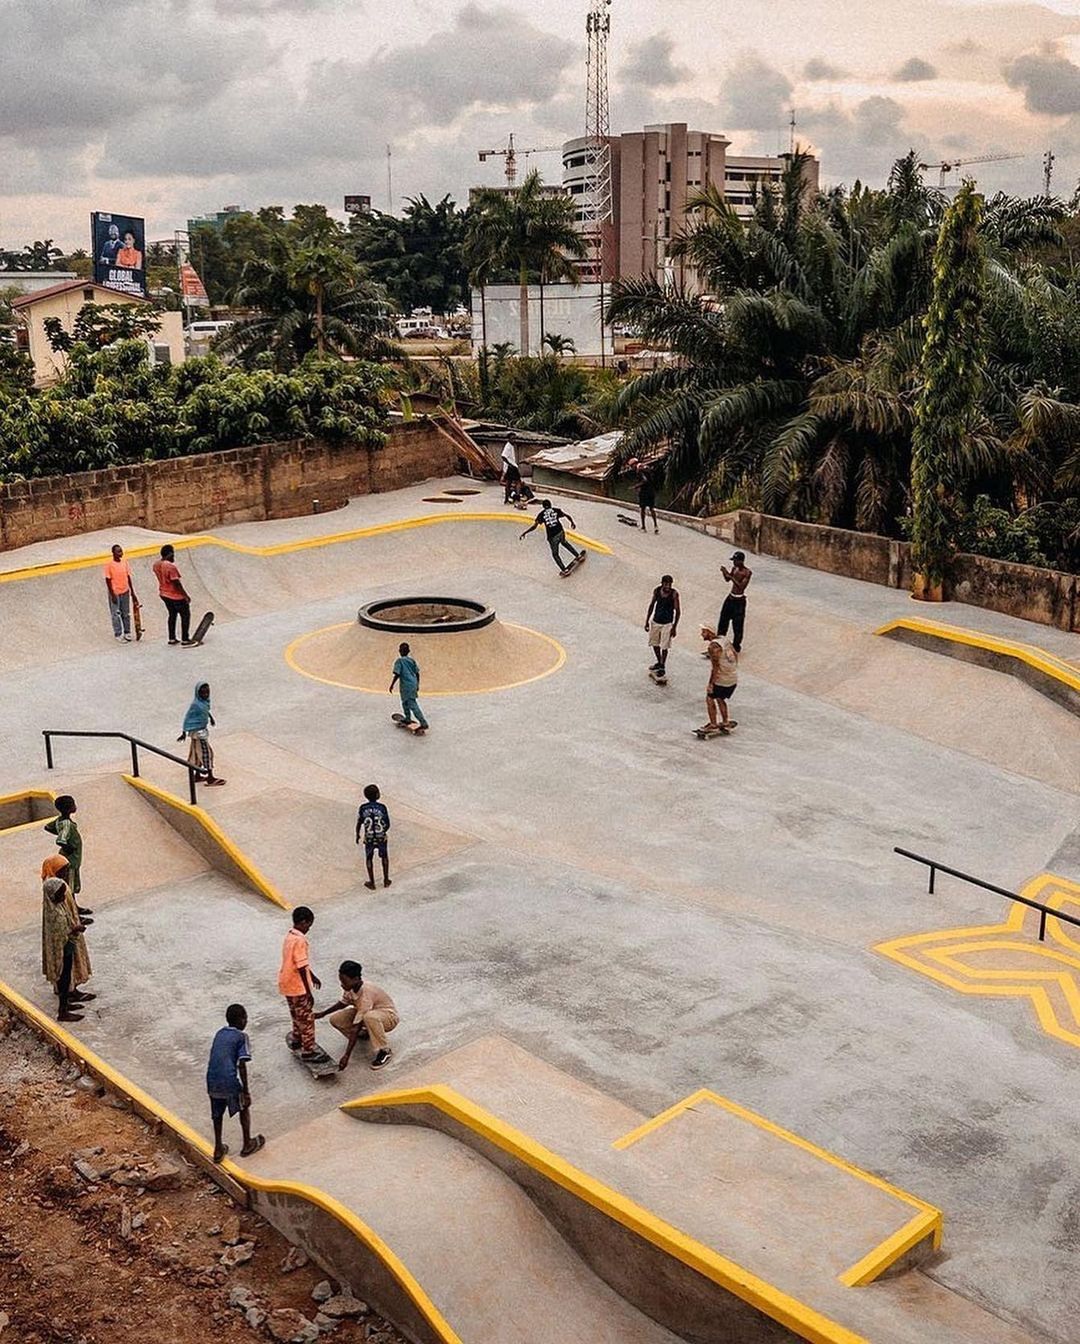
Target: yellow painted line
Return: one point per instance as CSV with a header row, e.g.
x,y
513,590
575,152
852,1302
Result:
x,y
875,1262
1034,657
183,1131
290,658
213,830
21,797
771,1301
284,547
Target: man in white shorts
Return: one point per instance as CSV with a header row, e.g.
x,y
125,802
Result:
x,y
662,622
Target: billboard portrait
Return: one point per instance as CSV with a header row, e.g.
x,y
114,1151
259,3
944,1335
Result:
x,y
119,252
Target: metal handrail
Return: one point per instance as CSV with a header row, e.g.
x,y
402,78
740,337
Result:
x,y
936,868
194,772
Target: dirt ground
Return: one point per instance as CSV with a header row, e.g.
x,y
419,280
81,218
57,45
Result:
x,y
107,1235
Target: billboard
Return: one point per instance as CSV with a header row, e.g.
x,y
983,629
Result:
x,y
192,289
358,205
119,252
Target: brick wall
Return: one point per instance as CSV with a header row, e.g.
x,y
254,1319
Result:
x,y
193,494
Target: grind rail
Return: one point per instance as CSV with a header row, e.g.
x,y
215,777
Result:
x,y
936,867
194,773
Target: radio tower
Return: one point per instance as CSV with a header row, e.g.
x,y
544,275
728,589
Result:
x,y
596,207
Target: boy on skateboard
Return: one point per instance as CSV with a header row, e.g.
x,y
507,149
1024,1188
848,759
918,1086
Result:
x,y
227,1081
364,1012
121,590
556,534
662,622
173,594
298,982
733,612
407,678
373,822
723,679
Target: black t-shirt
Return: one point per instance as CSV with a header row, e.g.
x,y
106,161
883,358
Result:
x,y
552,520
646,491
663,606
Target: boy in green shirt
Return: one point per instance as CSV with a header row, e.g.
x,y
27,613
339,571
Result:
x,y
69,841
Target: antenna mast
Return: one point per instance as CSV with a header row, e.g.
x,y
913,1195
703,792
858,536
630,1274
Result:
x,y
596,206
389,180
792,125
1048,170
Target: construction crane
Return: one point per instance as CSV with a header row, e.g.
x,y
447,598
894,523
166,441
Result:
x,y
510,153
947,166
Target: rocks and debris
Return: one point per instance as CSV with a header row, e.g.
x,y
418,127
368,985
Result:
x,y
292,1327
230,1232
239,1254
323,1291
344,1304
296,1259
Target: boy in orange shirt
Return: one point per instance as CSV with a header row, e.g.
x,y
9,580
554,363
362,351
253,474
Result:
x,y
298,982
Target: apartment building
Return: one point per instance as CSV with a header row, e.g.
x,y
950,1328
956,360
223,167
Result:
x,y
655,172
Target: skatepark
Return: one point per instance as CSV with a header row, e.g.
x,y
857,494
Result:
x,y
686,1050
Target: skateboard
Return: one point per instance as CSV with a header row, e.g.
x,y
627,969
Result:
x,y
136,617
412,726
200,631
721,730
318,1068
574,564
630,522
657,678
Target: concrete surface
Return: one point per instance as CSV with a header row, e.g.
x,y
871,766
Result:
x,y
650,913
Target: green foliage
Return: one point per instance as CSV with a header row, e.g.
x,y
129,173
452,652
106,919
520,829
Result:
x,y
949,406
114,407
16,371
100,324
419,257
546,393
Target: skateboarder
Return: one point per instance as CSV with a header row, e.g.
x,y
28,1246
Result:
x,y
723,679
197,723
662,621
373,822
733,612
364,1012
646,492
69,843
121,592
227,1081
407,678
298,982
556,533
172,593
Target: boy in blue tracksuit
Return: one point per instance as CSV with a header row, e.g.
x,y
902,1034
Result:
x,y
407,678
196,729
373,823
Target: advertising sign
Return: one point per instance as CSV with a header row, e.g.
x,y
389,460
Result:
x,y
192,289
119,252
358,205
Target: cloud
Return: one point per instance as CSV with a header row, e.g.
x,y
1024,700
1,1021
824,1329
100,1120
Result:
x,y
914,71
754,95
877,121
1049,80
650,64
817,68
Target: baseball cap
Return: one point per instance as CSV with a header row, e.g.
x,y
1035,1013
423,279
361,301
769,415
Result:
x,y
739,555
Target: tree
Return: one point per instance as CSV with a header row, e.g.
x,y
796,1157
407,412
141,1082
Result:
x,y
525,232
418,256
949,404
559,344
100,324
42,255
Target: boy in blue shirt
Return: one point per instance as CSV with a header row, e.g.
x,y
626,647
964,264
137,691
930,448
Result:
x,y
373,821
407,673
227,1081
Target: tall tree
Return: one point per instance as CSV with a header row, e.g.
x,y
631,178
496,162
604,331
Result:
x,y
950,402
418,255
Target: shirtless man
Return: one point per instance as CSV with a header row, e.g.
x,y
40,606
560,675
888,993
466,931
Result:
x,y
733,612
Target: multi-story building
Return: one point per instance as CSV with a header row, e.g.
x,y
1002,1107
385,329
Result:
x,y
655,173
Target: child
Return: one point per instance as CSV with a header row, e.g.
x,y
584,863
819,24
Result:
x,y
69,842
227,1081
374,821
407,672
298,982
198,716
364,1012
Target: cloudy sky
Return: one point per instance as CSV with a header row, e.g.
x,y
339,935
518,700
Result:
x,y
169,108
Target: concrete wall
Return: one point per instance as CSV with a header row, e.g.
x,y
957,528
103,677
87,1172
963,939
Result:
x,y
192,494
1043,595
569,310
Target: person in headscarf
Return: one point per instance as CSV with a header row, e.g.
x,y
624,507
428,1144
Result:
x,y
56,866
61,932
197,723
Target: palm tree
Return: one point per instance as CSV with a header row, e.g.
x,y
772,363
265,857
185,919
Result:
x,y
558,344
526,232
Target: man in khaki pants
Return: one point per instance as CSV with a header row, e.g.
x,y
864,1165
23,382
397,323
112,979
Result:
x,y
364,1012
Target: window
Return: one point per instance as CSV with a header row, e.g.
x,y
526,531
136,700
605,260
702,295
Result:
x,y
88,295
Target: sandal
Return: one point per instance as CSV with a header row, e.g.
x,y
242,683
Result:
x,y
253,1147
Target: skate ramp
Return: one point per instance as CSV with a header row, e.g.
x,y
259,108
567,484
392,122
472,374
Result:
x,y
497,657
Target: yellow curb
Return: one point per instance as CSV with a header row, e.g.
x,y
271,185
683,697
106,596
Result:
x,y
261,884
1039,659
928,1219
18,798
191,1138
779,1306
284,547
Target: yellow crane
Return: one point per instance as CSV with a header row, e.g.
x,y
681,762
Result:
x,y
947,166
510,153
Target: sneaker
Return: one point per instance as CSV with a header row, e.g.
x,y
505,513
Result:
x,y
381,1060
127,639
174,641
118,637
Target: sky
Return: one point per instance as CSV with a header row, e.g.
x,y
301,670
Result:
x,y
172,108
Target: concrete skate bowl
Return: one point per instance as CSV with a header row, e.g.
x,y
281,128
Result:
x,y
461,647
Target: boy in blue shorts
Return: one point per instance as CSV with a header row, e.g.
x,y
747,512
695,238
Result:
x,y
227,1081
373,822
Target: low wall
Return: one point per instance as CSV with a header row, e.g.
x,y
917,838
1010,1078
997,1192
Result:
x,y
240,485
1043,595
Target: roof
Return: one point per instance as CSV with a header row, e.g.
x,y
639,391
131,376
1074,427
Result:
x,y
27,300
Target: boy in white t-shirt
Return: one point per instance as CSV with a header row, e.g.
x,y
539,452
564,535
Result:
x,y
723,680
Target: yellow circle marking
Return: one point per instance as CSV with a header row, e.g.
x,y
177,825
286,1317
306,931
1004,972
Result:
x,y
290,658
